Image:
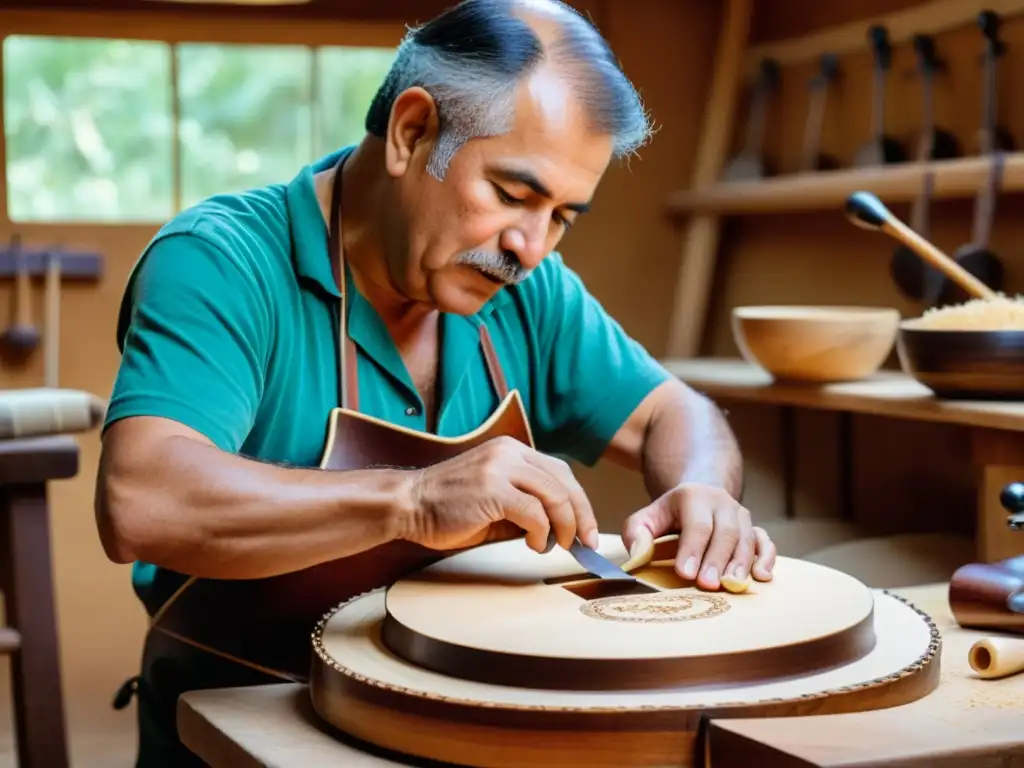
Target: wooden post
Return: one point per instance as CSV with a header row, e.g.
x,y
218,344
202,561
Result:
x,y
999,458
701,241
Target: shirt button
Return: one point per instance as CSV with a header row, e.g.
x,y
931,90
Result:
x,y
412,410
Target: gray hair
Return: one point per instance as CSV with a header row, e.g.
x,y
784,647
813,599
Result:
x,y
472,57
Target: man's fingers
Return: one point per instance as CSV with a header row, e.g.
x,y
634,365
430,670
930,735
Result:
x,y
643,526
698,525
728,532
586,521
552,495
526,511
743,556
766,551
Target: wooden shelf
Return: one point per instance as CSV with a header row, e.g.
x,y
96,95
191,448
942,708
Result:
x,y
960,178
885,394
933,17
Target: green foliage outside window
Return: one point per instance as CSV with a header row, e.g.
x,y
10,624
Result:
x,y
89,122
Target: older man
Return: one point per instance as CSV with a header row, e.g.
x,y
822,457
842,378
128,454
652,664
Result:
x,y
430,245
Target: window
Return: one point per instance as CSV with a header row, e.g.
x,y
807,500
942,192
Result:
x,y
90,123
88,127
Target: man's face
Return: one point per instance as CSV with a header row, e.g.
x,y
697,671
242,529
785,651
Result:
x,y
504,204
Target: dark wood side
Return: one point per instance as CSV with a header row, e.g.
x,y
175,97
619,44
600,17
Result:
x,y
27,583
825,652
38,459
267,622
979,595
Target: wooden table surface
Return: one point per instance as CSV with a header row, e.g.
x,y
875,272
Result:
x,y
275,726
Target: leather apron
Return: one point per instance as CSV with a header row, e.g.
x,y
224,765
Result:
x,y
226,633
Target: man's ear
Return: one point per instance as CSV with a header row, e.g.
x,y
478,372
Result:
x,y
412,130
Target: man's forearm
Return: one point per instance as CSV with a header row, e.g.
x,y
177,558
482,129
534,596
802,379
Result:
x,y
689,441
198,510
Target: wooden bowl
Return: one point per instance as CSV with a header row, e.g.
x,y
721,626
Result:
x,y
964,365
815,344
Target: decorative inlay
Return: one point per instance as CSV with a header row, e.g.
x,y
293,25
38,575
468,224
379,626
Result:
x,y
656,608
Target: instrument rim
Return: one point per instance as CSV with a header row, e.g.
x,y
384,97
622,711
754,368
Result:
x,y
929,656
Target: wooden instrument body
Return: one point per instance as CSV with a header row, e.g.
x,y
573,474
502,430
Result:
x,y
989,595
813,158
596,697
881,149
750,164
267,621
915,278
993,141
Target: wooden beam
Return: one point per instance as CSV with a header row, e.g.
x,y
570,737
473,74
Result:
x,y
823,190
701,241
931,17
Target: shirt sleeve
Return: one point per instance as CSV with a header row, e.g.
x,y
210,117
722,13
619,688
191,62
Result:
x,y
590,374
193,333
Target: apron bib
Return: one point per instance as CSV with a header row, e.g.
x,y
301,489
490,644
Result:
x,y
233,632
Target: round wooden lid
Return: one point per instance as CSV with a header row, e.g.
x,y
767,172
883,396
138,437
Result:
x,y
504,614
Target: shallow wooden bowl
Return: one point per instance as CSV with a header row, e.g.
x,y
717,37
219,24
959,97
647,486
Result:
x,y
815,344
964,365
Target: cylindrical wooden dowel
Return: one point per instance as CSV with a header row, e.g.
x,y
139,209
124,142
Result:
x,y
994,657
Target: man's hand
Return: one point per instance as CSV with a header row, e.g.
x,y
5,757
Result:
x,y
498,490
715,534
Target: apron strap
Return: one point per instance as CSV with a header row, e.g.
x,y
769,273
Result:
x,y
493,363
348,378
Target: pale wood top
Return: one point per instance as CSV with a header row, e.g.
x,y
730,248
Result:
x,y
887,393
477,599
274,726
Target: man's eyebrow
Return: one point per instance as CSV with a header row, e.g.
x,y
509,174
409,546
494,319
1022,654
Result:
x,y
526,177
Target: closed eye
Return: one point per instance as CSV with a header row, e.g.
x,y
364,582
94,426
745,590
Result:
x,y
508,199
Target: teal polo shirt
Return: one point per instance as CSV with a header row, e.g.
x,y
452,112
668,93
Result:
x,y
229,321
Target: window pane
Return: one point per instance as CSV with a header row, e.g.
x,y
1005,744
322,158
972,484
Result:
x,y
88,129
348,80
245,116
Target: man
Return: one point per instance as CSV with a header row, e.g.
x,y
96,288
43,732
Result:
x,y
485,144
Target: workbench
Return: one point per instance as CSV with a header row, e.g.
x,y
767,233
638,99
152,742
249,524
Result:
x,y
966,718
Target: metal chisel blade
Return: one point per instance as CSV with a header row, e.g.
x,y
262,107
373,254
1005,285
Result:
x,y
596,563
601,567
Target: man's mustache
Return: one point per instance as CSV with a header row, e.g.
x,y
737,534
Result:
x,y
502,266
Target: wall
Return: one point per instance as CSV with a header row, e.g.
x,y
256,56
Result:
x,y
907,475
626,251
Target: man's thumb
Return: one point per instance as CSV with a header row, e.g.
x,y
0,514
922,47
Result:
x,y
637,536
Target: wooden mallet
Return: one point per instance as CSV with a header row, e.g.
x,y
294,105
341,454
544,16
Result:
x,y
868,212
